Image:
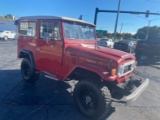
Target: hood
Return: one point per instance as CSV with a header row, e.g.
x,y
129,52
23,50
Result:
x,y
97,52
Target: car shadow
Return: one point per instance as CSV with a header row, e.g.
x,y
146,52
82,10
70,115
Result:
x,y
32,99
120,91
150,61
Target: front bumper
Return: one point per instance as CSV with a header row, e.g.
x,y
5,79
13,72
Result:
x,y
135,94
129,91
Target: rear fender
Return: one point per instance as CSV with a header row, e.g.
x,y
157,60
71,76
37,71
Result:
x,y
27,54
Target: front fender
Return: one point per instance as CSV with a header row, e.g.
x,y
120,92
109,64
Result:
x,y
102,71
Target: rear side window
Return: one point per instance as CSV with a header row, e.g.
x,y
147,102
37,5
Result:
x,y
27,29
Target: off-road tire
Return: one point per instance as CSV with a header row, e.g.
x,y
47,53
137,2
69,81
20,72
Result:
x,y
29,74
100,95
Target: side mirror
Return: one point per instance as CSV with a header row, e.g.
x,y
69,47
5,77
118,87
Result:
x,y
46,37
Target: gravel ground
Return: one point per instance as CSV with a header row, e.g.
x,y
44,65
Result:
x,y
52,100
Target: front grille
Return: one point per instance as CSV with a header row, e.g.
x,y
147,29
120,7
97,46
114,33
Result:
x,y
126,68
128,59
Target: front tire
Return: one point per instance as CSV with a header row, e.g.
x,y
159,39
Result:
x,y
92,100
5,38
29,74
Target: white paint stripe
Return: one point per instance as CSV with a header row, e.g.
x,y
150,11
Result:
x,y
56,79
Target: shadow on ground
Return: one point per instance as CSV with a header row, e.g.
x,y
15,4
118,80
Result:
x,y
44,100
150,61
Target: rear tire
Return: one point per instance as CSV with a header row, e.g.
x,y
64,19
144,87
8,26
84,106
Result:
x,y
91,99
29,74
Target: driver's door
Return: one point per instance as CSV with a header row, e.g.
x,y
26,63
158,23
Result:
x,y
49,51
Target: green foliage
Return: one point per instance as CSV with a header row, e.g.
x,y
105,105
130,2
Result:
x,y
118,35
153,31
8,17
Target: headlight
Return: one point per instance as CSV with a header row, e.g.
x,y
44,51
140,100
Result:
x,y
126,68
133,66
120,71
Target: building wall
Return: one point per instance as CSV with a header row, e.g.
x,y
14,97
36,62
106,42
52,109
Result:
x,y
7,25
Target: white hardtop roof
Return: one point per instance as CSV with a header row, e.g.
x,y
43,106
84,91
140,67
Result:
x,y
53,17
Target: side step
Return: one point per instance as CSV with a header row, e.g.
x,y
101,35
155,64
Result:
x,y
50,76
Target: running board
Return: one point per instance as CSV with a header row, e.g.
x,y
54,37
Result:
x,y
51,76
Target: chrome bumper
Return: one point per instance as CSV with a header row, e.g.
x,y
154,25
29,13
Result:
x,y
135,94
132,95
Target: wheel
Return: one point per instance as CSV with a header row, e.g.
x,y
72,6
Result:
x,y
5,38
29,74
91,99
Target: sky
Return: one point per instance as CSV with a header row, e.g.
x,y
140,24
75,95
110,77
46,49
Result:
x,y
86,8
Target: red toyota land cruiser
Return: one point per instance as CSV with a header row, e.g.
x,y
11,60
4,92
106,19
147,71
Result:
x,y
66,49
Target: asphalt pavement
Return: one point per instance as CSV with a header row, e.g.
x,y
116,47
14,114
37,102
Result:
x,y
52,100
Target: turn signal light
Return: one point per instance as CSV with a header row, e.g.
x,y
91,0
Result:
x,y
113,72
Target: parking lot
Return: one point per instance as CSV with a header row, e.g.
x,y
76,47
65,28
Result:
x,y
51,100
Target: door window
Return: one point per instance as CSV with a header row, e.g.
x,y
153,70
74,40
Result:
x,y
50,28
27,29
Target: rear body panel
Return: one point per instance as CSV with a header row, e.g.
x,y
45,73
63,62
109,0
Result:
x,y
148,47
124,46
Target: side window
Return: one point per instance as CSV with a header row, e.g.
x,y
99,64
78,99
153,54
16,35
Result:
x,y
56,31
46,28
51,28
27,29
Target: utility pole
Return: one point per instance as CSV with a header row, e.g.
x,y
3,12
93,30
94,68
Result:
x,y
121,28
80,17
115,29
149,21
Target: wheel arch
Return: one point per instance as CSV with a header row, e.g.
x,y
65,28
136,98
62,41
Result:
x,y
81,72
29,55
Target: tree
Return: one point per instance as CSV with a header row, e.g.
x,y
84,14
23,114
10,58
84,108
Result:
x,y
1,18
153,31
109,35
9,17
127,35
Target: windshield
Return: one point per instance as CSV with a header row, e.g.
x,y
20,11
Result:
x,y
78,31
